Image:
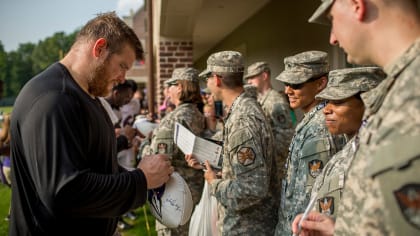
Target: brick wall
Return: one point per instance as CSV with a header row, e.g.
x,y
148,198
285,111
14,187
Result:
x,y
172,54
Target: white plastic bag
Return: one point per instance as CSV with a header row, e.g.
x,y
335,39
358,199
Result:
x,y
204,218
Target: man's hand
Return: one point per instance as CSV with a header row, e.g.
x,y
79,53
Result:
x,y
157,169
209,173
192,162
316,224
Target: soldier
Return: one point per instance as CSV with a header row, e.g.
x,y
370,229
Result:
x,y
184,92
312,146
343,115
381,194
276,108
245,191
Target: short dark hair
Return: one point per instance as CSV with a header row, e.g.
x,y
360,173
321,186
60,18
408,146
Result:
x,y
132,84
232,79
117,33
122,86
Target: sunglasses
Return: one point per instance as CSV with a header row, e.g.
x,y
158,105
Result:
x,y
299,86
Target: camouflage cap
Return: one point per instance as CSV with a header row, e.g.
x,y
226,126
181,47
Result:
x,y
344,83
225,61
320,15
304,66
256,69
189,74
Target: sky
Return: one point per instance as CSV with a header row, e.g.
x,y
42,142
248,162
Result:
x,y
24,21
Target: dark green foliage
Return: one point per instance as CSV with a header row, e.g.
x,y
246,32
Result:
x,y
17,67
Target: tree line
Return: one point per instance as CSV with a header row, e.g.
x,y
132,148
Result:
x,y
19,66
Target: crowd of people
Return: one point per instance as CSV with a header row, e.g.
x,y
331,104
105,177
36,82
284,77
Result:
x,y
83,154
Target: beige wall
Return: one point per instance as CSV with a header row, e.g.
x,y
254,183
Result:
x,y
278,30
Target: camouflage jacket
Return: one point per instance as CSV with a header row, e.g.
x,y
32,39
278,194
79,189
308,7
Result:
x,y
245,190
382,193
311,148
276,108
329,185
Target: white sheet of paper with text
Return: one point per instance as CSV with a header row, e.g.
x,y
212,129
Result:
x,y
202,149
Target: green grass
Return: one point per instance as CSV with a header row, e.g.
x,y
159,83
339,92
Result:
x,y
6,110
4,208
140,226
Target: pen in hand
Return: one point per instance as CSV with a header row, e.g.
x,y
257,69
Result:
x,y
305,214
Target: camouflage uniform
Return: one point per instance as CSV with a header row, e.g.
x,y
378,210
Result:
x,y
382,193
245,191
342,84
277,110
163,142
312,145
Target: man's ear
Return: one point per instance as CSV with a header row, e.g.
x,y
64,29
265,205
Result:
x,y
322,83
99,47
359,8
265,75
218,81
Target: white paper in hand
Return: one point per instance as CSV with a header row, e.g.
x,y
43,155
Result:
x,y
202,149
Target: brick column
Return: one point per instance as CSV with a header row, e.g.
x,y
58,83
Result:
x,y
172,54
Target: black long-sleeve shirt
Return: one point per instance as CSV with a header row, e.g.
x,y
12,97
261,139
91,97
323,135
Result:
x,y
66,180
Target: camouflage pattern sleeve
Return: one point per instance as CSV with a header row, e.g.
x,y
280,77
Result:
x,y
329,185
382,193
250,175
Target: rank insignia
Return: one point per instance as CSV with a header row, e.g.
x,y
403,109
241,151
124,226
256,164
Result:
x,y
408,198
326,205
246,156
162,148
315,167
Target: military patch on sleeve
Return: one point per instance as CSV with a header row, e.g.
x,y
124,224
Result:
x,y
162,148
246,156
315,167
408,198
326,205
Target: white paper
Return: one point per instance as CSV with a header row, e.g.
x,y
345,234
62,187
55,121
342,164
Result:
x,y
202,149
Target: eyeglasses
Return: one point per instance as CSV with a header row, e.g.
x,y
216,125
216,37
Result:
x,y
299,86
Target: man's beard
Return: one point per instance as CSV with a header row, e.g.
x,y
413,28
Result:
x,y
98,81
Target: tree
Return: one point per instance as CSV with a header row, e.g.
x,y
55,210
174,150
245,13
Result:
x,y
17,67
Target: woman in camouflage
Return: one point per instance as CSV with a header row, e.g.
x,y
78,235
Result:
x,y
184,92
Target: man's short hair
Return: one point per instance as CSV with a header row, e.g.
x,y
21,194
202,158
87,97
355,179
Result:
x,y
116,32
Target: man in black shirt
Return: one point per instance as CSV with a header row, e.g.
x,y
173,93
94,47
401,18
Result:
x,y
66,180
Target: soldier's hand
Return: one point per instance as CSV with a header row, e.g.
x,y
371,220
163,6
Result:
x,y
157,169
209,173
316,224
192,162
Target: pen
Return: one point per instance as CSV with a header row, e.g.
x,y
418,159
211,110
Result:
x,y
305,214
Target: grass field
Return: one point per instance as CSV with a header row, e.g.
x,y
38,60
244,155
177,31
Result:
x,y
141,228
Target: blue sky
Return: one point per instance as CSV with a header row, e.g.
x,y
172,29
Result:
x,y
23,21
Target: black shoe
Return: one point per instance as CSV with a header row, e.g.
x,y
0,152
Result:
x,y
130,215
122,225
